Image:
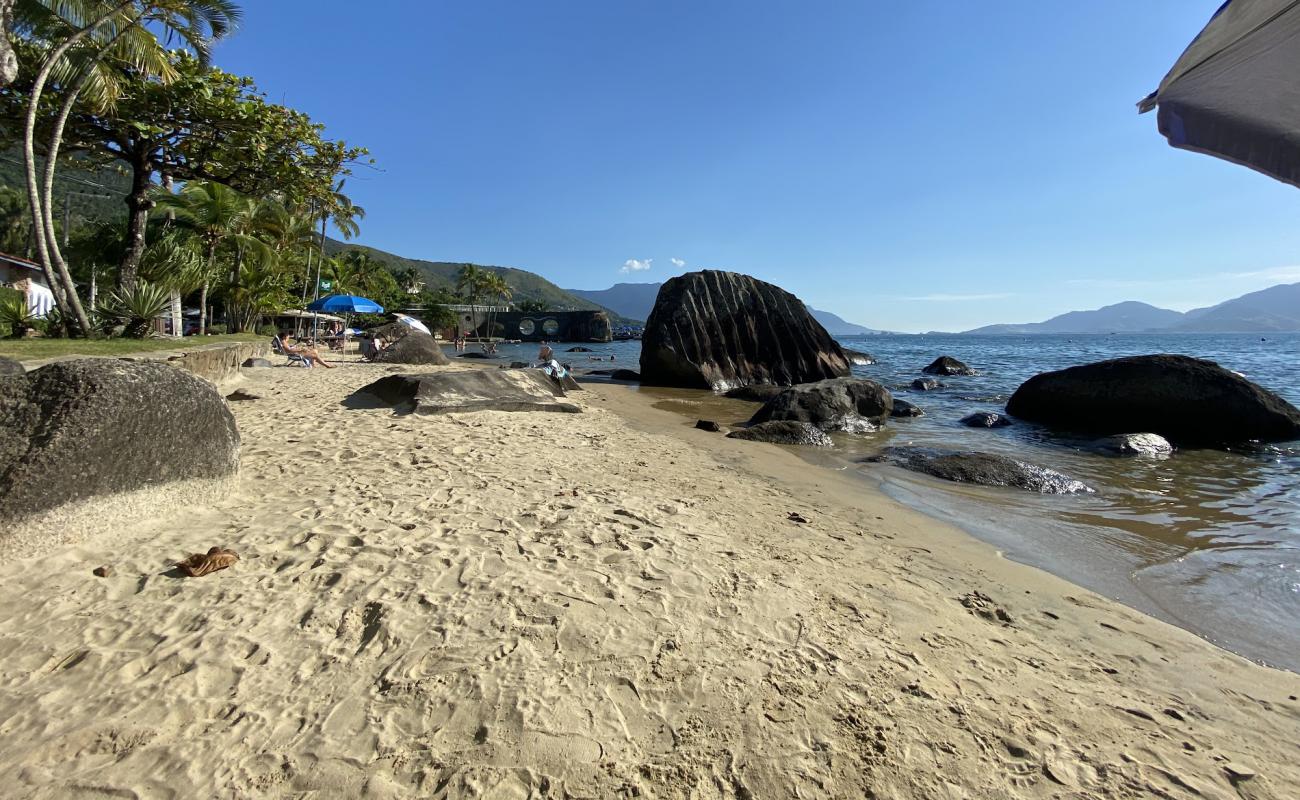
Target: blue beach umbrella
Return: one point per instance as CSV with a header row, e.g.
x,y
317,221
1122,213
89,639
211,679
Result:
x,y
346,304
1234,93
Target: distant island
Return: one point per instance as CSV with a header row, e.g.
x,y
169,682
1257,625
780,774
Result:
x,y
1275,310
634,301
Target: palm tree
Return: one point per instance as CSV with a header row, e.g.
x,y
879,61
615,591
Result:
x,y
82,37
469,282
217,214
498,291
174,261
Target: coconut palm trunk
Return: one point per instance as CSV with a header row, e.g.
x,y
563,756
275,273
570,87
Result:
x,y
8,59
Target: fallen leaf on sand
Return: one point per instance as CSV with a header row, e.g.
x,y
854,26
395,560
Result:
x,y
795,516
200,564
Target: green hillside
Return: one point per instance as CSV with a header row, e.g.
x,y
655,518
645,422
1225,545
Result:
x,y
442,275
91,194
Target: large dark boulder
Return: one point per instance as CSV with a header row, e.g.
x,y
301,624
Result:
x,y
985,469
757,393
836,404
947,365
8,366
469,390
415,347
719,330
1188,401
784,432
77,429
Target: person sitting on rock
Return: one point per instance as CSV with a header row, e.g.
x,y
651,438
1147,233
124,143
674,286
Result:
x,y
549,365
309,353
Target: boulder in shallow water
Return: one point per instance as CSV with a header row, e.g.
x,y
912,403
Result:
x,y
416,347
470,390
902,408
984,469
858,358
985,419
8,366
719,330
626,375
837,404
579,349
1134,444
1188,401
947,365
784,432
926,384
756,393
87,427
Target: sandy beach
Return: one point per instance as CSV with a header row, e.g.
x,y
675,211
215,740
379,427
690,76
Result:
x,y
594,605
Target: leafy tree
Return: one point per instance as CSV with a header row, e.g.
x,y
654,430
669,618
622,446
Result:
x,y
470,284
531,306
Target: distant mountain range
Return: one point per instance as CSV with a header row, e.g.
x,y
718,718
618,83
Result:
x,y
1275,309
635,300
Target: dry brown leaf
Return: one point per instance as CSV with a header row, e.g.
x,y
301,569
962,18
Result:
x,y
200,564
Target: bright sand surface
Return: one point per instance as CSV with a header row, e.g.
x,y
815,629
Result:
x,y
605,604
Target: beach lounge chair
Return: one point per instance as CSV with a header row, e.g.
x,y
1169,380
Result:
x,y
277,345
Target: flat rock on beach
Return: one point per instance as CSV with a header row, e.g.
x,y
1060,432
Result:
x,y
506,605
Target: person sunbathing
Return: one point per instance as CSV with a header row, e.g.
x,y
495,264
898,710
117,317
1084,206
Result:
x,y
308,353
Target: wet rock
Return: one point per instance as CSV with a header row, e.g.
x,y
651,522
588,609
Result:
x,y
926,384
837,404
87,427
985,469
413,347
579,349
757,393
708,425
471,390
1188,401
719,330
626,375
985,419
784,432
1134,444
947,365
256,363
858,358
902,408
475,354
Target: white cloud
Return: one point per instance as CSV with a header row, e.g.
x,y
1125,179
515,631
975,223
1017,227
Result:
x,y
957,298
677,262
636,265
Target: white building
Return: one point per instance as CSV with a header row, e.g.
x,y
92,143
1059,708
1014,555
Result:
x,y
27,277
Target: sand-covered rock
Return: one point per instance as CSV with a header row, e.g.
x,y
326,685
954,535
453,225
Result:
x,y
837,404
471,390
719,330
985,469
784,432
1186,400
82,428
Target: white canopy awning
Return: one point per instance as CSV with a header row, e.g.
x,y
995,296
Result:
x,y
309,315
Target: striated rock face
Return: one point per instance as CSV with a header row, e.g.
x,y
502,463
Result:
x,y
720,330
1186,400
985,469
947,365
784,432
77,429
837,404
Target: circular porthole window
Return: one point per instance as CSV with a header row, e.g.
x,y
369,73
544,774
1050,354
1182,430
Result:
x,y
550,327
527,326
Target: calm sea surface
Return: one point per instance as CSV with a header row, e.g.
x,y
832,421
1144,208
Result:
x,y
1205,539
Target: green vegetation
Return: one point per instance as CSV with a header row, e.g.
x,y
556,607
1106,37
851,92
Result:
x,y
35,349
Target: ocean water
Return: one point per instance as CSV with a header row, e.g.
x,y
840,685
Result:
x,y
1205,539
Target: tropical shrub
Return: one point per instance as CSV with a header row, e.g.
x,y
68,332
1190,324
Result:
x,y
14,315
138,307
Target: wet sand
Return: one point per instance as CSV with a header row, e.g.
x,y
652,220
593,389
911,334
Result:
x,y
607,604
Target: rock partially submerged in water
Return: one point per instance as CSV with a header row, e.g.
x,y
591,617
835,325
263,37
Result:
x,y
947,365
784,432
926,384
719,330
471,390
1134,444
902,408
1186,400
985,419
757,393
87,427
858,358
837,404
984,469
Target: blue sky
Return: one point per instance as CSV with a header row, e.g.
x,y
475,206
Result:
x,y
909,166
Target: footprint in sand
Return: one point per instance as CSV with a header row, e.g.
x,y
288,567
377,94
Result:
x,y
504,649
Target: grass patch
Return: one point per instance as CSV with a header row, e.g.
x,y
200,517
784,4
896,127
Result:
x,y
36,349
